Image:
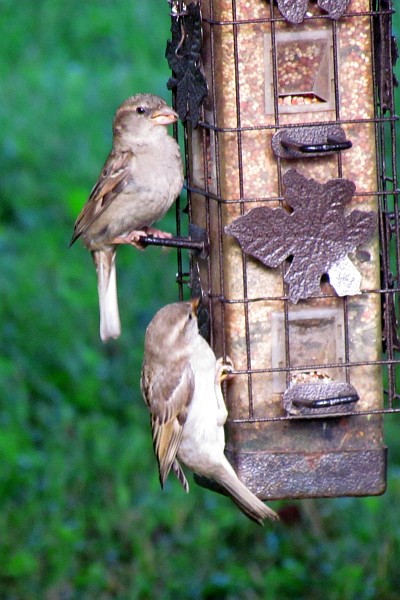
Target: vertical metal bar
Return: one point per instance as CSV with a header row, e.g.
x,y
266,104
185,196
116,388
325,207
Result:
x,y
178,213
335,49
396,230
384,234
241,196
283,268
386,181
218,192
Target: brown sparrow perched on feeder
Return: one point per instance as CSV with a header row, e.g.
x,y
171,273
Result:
x,y
181,384
140,180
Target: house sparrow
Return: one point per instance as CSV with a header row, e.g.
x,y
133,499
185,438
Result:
x,y
140,180
181,384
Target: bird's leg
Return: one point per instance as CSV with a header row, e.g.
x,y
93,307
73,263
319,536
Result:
x,y
132,238
222,410
222,371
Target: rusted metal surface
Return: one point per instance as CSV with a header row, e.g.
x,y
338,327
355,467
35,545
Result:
x,y
309,458
309,474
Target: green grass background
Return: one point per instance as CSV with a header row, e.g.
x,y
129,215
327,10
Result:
x,y
81,513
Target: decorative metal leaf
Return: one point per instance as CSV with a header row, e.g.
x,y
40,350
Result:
x,y
317,234
183,55
335,8
294,10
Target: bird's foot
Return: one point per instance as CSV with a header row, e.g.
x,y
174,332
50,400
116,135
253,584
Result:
x,y
133,237
224,370
150,231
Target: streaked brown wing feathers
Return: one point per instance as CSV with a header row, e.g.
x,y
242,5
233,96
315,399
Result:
x,y
114,177
168,397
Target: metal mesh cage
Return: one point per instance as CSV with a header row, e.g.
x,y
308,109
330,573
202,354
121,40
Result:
x,y
274,87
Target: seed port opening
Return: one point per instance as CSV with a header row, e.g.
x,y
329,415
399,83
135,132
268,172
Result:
x,y
304,71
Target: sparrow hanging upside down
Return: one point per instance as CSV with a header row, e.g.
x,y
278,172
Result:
x,y
140,180
181,384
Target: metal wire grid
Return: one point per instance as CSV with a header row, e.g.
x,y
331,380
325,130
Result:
x,y
387,192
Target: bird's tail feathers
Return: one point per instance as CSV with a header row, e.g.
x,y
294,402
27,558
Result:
x,y
104,261
246,501
177,469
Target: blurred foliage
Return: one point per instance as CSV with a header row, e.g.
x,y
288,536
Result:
x,y
82,515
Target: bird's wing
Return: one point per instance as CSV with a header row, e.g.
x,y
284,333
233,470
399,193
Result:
x,y
168,396
115,176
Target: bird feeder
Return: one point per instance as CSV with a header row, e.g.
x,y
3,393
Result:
x,y
290,154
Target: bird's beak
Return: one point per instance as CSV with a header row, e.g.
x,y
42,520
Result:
x,y
164,116
195,302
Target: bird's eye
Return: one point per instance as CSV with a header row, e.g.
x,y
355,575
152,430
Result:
x,y
140,110
190,316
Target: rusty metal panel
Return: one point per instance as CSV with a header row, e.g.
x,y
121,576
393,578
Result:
x,y
310,458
